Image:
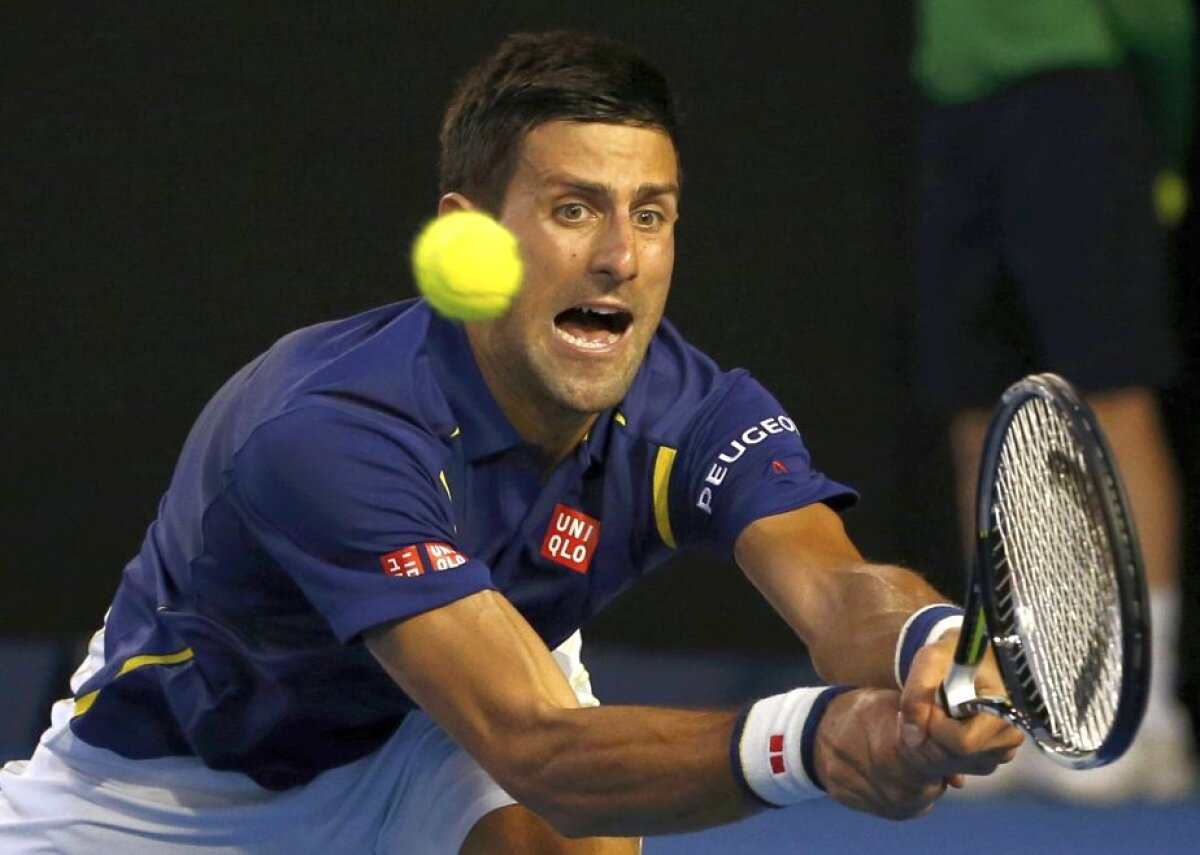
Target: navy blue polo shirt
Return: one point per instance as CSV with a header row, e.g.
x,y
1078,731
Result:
x,y
359,472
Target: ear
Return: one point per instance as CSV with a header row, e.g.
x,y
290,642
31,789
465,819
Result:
x,y
452,202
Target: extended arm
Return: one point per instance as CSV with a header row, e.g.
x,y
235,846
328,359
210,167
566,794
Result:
x,y
850,613
479,669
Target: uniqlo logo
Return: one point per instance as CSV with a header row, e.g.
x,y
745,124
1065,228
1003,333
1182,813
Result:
x,y
402,562
571,538
775,746
443,556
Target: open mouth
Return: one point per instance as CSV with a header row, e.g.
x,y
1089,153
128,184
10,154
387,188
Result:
x,y
592,327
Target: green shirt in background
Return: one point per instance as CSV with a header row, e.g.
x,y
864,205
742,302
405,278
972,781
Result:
x,y
967,49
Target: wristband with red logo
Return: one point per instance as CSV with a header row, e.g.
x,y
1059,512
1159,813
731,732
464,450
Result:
x,y
773,742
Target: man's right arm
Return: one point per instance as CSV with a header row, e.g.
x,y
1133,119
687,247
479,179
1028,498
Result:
x,y
480,671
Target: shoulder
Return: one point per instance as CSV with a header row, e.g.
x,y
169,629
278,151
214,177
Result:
x,y
676,383
337,402
368,372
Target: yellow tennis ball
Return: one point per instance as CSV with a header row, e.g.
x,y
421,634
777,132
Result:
x,y
467,266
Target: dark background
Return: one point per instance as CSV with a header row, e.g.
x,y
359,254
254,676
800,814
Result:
x,y
184,183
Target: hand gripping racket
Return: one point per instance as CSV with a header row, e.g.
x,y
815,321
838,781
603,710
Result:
x,y
1058,587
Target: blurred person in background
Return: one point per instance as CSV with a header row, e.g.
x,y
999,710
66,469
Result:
x,y
1052,160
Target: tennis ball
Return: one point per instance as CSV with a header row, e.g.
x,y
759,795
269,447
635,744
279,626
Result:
x,y
467,266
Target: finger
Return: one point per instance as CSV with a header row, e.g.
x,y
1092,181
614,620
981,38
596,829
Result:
x,y
978,763
988,680
903,803
974,746
918,699
978,734
890,801
928,761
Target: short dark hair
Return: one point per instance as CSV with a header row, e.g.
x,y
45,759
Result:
x,y
533,78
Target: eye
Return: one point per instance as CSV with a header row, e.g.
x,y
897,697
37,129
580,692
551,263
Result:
x,y
572,212
647,218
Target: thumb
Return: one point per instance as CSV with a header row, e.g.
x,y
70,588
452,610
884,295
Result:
x,y
920,693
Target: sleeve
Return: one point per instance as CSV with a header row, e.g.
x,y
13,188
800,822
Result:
x,y
742,458
355,511
1160,36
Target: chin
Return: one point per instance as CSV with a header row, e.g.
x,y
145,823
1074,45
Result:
x,y
589,398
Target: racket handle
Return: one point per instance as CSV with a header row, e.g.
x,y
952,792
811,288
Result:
x,y
958,691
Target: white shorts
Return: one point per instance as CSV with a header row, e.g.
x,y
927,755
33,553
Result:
x,y
419,794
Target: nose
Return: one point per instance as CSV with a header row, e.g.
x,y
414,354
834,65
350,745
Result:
x,y
616,253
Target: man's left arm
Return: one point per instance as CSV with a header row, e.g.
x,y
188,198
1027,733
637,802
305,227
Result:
x,y
851,613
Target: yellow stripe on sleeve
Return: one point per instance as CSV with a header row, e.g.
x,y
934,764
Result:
x,y
84,702
662,482
445,484
135,662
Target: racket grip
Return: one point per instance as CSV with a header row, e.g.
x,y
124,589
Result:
x,y
958,691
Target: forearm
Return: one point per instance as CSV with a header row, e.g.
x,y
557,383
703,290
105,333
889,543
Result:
x,y
855,631
848,611
622,771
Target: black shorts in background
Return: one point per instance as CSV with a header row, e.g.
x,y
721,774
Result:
x,y
1037,243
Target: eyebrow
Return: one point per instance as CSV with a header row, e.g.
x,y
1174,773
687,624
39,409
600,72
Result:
x,y
593,188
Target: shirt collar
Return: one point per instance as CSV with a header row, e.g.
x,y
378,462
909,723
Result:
x,y
482,427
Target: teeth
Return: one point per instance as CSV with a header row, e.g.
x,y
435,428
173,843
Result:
x,y
611,338
599,310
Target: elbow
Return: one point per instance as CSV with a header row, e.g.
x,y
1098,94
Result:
x,y
823,663
832,665
565,808
543,774
572,823
566,815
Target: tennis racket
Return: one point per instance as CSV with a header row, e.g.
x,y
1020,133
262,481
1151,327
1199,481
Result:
x,y
1057,588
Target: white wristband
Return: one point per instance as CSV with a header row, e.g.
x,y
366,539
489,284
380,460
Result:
x,y
924,626
773,741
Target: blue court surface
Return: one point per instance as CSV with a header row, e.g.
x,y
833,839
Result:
x,y
1017,826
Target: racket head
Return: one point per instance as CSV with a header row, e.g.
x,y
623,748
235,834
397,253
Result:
x,y
1060,575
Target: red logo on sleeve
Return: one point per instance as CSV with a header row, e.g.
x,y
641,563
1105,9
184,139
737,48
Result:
x,y
571,538
402,562
407,561
443,556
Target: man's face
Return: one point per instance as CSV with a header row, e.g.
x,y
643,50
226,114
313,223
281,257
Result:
x,y
594,208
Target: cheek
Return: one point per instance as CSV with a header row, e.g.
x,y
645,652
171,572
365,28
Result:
x,y
547,260
658,268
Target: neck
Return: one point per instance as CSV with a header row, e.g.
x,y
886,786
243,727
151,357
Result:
x,y
553,429
539,421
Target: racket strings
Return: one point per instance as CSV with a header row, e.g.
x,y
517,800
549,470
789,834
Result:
x,y
1059,586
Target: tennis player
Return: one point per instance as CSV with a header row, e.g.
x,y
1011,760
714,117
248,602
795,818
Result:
x,y
354,624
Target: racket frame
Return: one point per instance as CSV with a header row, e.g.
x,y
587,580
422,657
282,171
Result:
x,y
958,692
